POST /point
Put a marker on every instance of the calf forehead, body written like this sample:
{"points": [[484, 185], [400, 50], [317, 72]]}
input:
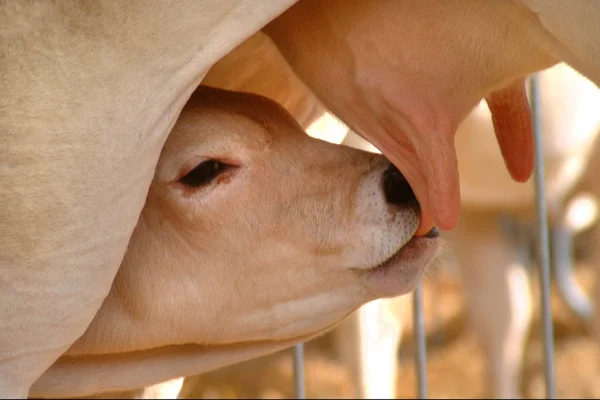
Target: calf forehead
{"points": [[216, 119], [252, 106], [208, 126]]}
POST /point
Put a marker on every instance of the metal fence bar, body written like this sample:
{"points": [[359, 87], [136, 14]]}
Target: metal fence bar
{"points": [[299, 371], [542, 242], [420, 342]]}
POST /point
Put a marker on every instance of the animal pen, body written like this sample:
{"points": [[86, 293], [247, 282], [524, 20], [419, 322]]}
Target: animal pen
{"points": [[561, 267]]}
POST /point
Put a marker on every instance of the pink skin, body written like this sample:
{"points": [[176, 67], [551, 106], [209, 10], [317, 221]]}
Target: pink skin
{"points": [[408, 95]]}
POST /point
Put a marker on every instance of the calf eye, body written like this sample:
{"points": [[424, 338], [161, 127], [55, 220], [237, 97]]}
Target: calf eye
{"points": [[204, 173]]}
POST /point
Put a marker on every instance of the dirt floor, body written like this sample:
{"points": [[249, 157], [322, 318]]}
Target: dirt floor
{"points": [[455, 363]]}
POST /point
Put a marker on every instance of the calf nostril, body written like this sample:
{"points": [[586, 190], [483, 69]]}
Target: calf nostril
{"points": [[396, 188]]}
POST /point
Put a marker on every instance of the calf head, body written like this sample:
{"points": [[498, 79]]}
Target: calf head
{"points": [[253, 231]]}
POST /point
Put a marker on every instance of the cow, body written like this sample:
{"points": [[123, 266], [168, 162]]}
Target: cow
{"points": [[90, 92]]}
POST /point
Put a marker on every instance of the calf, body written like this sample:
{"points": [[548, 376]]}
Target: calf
{"points": [[253, 237]]}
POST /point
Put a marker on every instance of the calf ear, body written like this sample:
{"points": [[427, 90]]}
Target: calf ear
{"points": [[511, 116]]}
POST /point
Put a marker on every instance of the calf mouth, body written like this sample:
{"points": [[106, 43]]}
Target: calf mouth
{"points": [[431, 238], [403, 270]]}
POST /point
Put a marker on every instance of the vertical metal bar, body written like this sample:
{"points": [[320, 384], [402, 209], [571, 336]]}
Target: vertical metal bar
{"points": [[542, 242], [420, 341], [299, 371]]}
